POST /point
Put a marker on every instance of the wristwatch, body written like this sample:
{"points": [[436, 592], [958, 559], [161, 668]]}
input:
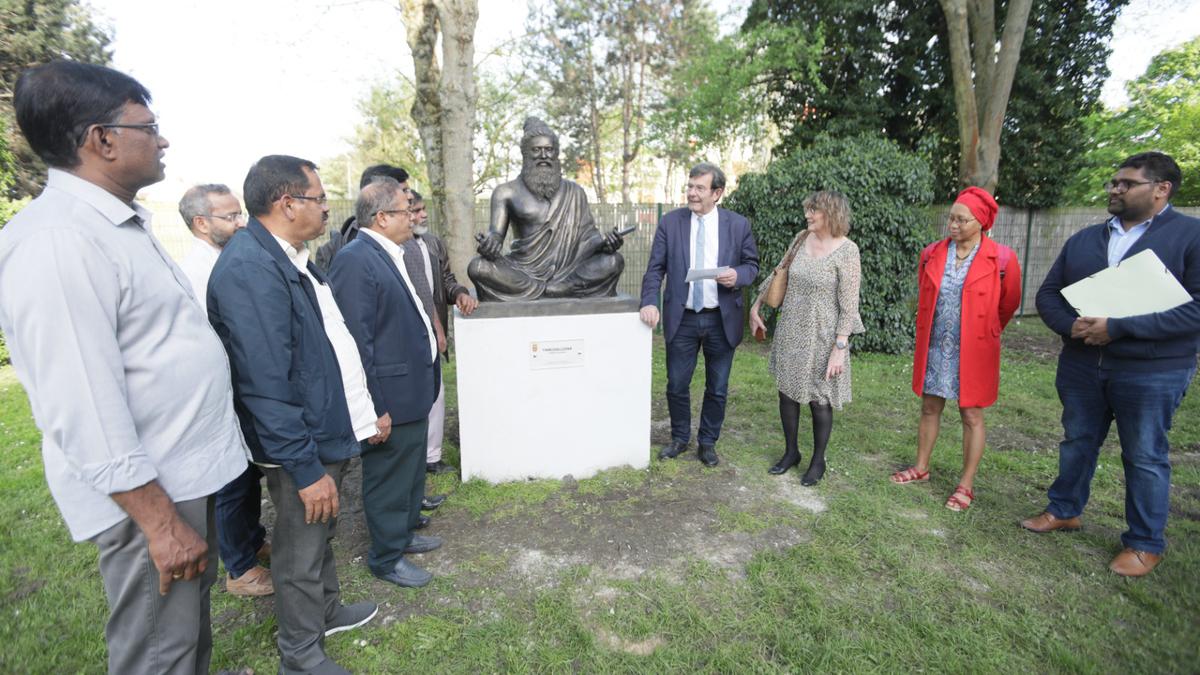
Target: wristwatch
{"points": [[841, 344]]}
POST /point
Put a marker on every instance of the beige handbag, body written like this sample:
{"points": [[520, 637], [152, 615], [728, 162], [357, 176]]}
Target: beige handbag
{"points": [[778, 288]]}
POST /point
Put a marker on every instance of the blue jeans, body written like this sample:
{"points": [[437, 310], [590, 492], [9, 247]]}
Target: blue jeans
{"points": [[698, 331], [1142, 403], [239, 532]]}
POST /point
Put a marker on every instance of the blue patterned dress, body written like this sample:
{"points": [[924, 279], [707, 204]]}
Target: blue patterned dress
{"points": [[945, 339]]}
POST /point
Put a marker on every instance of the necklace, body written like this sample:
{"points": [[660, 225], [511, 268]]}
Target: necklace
{"points": [[963, 257]]}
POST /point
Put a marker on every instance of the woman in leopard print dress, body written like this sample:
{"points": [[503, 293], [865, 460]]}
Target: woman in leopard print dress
{"points": [[810, 354]]}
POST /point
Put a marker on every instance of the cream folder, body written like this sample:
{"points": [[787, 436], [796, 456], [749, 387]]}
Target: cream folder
{"points": [[1140, 284]]}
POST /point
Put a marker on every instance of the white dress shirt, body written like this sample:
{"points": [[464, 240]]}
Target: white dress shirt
{"points": [[711, 242], [354, 380], [197, 264], [397, 256], [128, 381]]}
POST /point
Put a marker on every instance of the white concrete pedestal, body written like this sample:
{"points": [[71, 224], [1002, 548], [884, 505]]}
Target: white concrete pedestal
{"points": [[548, 396]]}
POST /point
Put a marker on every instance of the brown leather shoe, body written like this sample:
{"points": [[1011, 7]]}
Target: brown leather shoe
{"points": [[264, 553], [1131, 563], [254, 583], [1048, 522]]}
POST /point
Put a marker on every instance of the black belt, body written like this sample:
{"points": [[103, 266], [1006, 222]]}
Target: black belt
{"points": [[706, 310]]}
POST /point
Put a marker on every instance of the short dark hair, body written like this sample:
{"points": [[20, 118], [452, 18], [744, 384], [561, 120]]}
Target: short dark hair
{"points": [[706, 169], [1157, 166], [373, 172], [195, 201], [56, 102], [414, 197], [272, 177]]}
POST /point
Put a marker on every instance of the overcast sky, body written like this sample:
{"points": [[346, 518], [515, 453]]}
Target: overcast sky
{"points": [[234, 80]]}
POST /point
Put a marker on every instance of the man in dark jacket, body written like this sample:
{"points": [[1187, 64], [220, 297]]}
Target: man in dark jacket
{"points": [[397, 343], [300, 394], [1134, 369], [705, 314]]}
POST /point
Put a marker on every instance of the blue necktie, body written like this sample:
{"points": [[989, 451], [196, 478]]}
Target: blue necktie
{"points": [[698, 263]]}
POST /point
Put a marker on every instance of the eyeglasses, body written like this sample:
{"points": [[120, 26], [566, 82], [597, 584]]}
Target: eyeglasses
{"points": [[958, 220], [1123, 185], [149, 127], [392, 212], [322, 200], [232, 217]]}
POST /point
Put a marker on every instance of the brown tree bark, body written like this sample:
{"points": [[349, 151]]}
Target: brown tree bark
{"points": [[444, 111], [458, 96], [983, 77]]}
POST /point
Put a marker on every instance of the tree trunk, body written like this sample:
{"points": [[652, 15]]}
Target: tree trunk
{"points": [[982, 84], [444, 111], [421, 25], [458, 95]]}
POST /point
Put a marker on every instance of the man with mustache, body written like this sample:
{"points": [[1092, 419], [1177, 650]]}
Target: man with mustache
{"points": [[301, 394], [213, 215], [431, 260], [1134, 370], [557, 252]]}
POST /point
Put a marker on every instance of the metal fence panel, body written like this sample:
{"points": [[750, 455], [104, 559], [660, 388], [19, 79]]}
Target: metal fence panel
{"points": [[1036, 236]]}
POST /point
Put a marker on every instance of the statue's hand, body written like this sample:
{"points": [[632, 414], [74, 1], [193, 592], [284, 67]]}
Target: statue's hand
{"points": [[490, 245], [612, 241]]}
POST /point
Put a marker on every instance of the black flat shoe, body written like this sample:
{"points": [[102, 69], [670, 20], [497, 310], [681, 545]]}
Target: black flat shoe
{"points": [[781, 467], [814, 474], [708, 455], [672, 450]]}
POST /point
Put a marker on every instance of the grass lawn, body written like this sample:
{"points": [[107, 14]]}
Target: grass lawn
{"points": [[681, 568]]}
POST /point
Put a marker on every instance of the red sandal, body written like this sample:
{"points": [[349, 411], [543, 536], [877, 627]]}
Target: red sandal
{"points": [[910, 475], [956, 502]]}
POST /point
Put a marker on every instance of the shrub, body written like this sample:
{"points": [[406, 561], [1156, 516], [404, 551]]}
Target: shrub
{"points": [[886, 187]]}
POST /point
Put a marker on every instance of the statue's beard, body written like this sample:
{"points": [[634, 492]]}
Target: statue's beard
{"points": [[542, 181]]}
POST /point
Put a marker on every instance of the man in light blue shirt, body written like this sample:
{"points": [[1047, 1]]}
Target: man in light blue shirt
{"points": [[128, 383]]}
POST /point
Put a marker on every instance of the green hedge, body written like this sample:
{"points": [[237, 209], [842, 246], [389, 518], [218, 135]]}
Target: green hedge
{"points": [[887, 188]]}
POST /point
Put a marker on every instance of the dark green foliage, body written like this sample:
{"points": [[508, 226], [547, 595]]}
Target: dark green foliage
{"points": [[886, 67], [886, 186], [38, 31]]}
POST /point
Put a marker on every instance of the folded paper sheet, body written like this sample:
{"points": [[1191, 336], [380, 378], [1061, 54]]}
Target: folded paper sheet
{"points": [[1140, 284], [699, 274]]}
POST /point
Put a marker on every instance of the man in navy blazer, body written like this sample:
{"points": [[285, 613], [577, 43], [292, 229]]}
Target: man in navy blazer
{"points": [[398, 346], [300, 394], [704, 314]]}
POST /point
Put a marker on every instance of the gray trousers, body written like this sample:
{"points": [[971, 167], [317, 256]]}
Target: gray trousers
{"points": [[302, 567], [148, 632]]}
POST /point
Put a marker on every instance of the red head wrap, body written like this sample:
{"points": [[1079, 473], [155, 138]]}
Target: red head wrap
{"points": [[981, 204]]}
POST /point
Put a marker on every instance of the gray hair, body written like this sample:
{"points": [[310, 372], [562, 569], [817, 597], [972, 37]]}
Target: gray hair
{"points": [[195, 201], [376, 196], [707, 169]]}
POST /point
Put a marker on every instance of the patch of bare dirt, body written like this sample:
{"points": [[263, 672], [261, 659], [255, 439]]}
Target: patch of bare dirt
{"points": [[1040, 345]]}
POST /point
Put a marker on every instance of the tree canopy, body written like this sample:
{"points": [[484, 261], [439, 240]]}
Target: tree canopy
{"points": [[39, 31], [885, 67], [1163, 114]]}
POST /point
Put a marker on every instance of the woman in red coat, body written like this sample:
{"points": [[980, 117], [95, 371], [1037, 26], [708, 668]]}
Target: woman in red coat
{"points": [[969, 287]]}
